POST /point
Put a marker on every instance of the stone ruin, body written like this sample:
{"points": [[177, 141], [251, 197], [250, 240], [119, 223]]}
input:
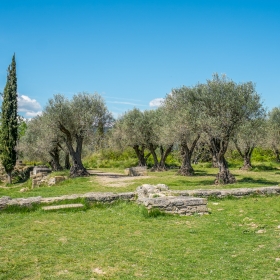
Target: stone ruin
{"points": [[161, 198], [136, 171], [21, 172], [39, 176]]}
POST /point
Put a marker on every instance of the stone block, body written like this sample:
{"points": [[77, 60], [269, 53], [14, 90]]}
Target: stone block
{"points": [[55, 180], [136, 171], [160, 197], [39, 169]]}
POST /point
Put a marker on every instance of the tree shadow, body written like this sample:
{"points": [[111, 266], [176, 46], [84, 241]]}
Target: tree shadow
{"points": [[192, 183], [203, 173], [257, 181]]}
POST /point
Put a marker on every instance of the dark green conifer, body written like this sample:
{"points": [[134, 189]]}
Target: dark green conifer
{"points": [[9, 121]]}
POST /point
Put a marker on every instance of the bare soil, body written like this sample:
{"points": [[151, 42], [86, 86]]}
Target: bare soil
{"points": [[110, 179]]}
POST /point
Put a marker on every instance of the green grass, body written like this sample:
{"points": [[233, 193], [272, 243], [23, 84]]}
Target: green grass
{"points": [[261, 175], [238, 240]]}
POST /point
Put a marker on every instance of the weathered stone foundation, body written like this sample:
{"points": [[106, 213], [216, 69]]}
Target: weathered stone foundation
{"points": [[171, 201], [160, 197]]}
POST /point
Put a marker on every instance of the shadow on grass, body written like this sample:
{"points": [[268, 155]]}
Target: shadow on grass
{"points": [[257, 181], [192, 183], [257, 168], [203, 173]]}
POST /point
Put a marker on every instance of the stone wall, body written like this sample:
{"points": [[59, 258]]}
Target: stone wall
{"points": [[40, 176], [93, 197], [230, 192], [20, 173], [151, 196]]}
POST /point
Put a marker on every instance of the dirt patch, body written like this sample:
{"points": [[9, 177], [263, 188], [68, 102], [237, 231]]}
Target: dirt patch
{"points": [[115, 179]]}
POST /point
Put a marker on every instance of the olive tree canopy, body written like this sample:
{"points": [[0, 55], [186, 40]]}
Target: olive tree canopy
{"points": [[225, 106], [40, 143], [273, 131], [182, 128], [130, 130], [77, 121], [249, 135]]}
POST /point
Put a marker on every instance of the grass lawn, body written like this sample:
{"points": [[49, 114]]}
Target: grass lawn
{"points": [[204, 179], [240, 239]]}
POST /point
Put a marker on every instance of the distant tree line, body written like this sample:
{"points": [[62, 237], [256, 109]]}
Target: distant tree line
{"points": [[206, 116], [200, 122]]}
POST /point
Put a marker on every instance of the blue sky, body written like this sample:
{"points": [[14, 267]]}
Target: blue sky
{"points": [[133, 52]]}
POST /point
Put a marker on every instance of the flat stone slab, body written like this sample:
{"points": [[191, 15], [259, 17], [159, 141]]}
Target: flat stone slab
{"points": [[38, 169], [182, 205], [64, 206], [160, 197], [238, 192]]}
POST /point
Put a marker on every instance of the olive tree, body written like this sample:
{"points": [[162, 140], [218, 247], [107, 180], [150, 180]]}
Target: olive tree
{"points": [[273, 132], [183, 126], [249, 135], [224, 107], [159, 146], [40, 143], [130, 131], [142, 131], [77, 121]]}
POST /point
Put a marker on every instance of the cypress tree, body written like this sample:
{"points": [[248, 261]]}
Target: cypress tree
{"points": [[9, 121]]}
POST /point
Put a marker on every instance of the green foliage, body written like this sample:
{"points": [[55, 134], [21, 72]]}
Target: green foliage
{"points": [[152, 213], [9, 121], [21, 175], [108, 158], [262, 155]]}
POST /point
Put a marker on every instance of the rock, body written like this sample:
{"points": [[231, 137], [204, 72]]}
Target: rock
{"points": [[55, 180], [7, 201], [4, 200], [41, 169], [24, 190], [160, 197], [147, 190], [64, 206], [136, 171]]}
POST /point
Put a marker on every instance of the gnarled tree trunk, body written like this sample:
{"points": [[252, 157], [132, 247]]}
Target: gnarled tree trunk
{"points": [[54, 163], [152, 149], [140, 154], [159, 165], [77, 168], [214, 158], [246, 156], [163, 156], [67, 164], [219, 148], [186, 152]]}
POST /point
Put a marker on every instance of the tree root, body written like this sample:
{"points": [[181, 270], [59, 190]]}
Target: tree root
{"points": [[186, 171], [158, 169], [78, 173], [246, 167], [225, 177]]}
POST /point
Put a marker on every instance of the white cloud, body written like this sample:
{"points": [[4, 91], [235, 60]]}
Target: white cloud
{"points": [[31, 107], [33, 114], [156, 102]]}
